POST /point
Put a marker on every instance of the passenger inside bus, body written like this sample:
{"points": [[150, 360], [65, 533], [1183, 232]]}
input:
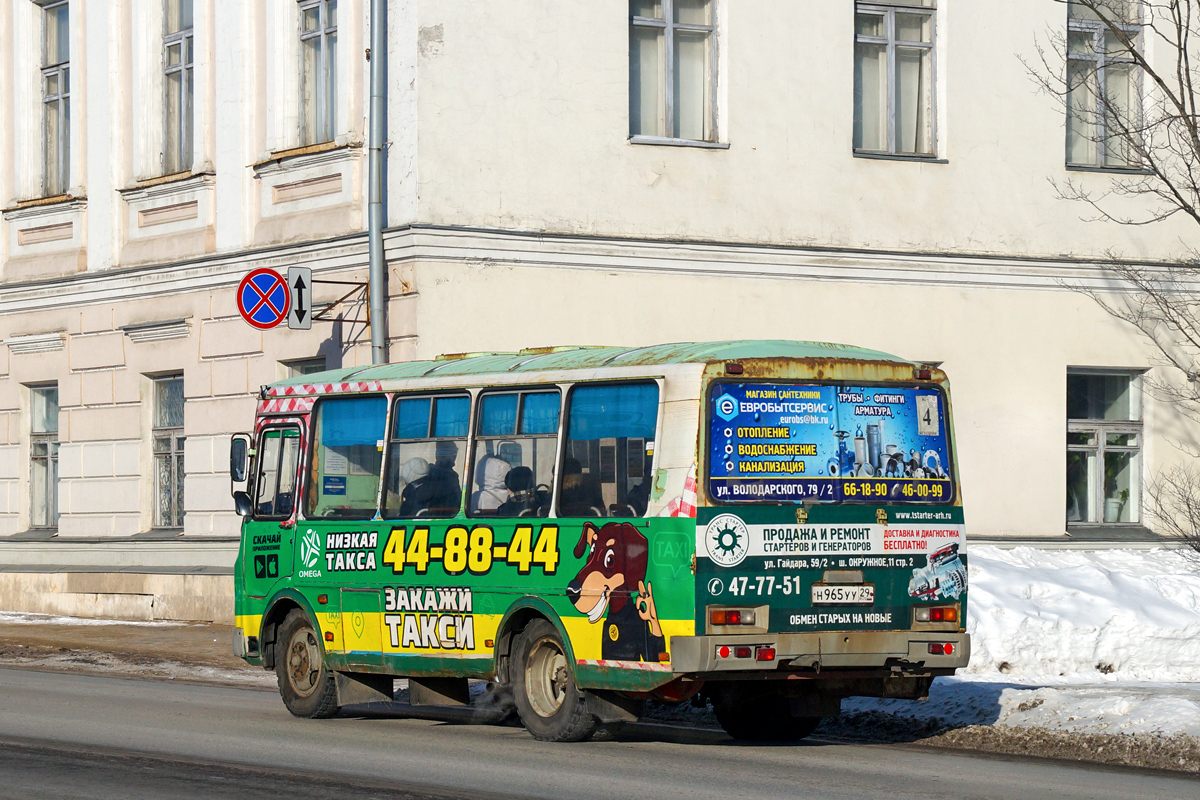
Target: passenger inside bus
{"points": [[525, 497], [489, 477], [429, 490]]}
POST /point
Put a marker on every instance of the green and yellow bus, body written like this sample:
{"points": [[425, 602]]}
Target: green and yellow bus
{"points": [[766, 526]]}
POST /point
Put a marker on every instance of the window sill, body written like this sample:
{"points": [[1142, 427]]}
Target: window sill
{"points": [[669, 142], [275, 156], [900, 157], [1109, 531], [174, 177], [58, 199], [1108, 170]]}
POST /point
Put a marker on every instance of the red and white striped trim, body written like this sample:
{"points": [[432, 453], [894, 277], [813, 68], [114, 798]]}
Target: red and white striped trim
{"points": [[646, 666], [286, 405], [685, 504], [309, 389]]}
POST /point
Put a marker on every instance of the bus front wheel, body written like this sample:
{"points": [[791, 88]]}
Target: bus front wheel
{"points": [[305, 683], [549, 703], [762, 718]]}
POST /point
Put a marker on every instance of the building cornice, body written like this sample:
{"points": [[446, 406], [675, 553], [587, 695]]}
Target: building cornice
{"points": [[482, 247]]}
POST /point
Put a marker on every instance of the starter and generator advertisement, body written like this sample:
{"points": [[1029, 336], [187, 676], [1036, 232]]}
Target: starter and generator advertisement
{"points": [[788, 443]]}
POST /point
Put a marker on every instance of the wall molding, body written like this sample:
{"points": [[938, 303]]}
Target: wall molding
{"points": [[36, 342], [157, 331], [532, 249]]}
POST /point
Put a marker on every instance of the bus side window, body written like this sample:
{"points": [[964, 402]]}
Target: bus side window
{"points": [[347, 442], [609, 450], [515, 442], [275, 484], [427, 457]]}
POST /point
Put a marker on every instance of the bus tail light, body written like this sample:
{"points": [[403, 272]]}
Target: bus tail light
{"points": [[940, 649], [764, 654], [731, 616], [937, 614], [923, 373], [743, 652]]}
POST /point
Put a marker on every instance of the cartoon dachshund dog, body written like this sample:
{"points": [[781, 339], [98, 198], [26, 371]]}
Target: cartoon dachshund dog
{"points": [[616, 564]]}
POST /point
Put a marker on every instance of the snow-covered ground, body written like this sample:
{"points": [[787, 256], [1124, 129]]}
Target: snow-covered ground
{"points": [[1094, 642]]}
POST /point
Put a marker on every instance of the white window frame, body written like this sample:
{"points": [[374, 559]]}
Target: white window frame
{"points": [[172, 453], [61, 157], [1098, 77], [48, 439], [304, 366], [1099, 430], [668, 26], [185, 40], [888, 11], [325, 93]]}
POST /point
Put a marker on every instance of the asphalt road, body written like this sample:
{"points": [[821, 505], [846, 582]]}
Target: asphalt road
{"points": [[84, 737]]}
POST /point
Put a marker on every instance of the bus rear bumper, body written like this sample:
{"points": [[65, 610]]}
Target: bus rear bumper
{"points": [[910, 651]]}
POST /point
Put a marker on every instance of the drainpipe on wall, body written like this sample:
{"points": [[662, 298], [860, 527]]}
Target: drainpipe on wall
{"points": [[376, 190]]}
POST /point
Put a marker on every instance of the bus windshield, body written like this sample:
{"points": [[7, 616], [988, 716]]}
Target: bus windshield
{"points": [[803, 443]]}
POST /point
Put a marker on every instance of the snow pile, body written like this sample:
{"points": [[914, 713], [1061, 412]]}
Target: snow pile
{"points": [[1096, 642], [30, 618], [1042, 614]]}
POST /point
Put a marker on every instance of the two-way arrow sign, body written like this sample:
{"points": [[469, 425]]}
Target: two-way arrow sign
{"points": [[299, 281]]}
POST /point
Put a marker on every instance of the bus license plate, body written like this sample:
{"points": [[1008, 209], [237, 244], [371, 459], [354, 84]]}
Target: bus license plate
{"points": [[842, 595]]}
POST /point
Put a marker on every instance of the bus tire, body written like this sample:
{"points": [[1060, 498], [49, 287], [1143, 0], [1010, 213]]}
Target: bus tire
{"points": [[765, 718], [305, 683], [550, 705]]}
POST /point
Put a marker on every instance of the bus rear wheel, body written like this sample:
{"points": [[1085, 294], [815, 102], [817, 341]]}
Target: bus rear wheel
{"points": [[549, 703], [305, 683], [762, 718]]}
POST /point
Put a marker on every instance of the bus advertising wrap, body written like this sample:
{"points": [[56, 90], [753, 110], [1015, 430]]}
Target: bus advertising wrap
{"points": [[828, 444]]}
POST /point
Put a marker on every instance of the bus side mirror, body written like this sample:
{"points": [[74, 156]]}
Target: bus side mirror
{"points": [[241, 503], [239, 461]]}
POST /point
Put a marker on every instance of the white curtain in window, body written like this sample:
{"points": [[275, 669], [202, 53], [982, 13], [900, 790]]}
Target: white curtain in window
{"points": [[692, 111], [913, 71], [870, 99], [646, 117], [1081, 116]]}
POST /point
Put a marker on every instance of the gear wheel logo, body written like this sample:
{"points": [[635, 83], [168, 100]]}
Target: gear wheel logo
{"points": [[727, 540], [310, 548]]}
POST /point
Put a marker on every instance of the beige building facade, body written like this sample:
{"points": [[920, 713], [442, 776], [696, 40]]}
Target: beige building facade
{"points": [[573, 173]]}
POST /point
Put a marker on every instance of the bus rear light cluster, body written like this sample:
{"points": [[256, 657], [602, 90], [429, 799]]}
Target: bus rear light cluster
{"points": [[760, 653], [741, 651], [940, 649], [937, 614], [731, 616]]}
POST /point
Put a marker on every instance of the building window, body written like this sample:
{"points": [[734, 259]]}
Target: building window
{"points": [[178, 85], [43, 457], [1104, 444], [56, 98], [168, 438], [893, 78], [1103, 106], [672, 69], [318, 71], [305, 366]]}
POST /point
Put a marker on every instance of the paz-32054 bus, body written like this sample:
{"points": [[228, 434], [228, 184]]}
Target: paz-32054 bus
{"points": [[768, 526]]}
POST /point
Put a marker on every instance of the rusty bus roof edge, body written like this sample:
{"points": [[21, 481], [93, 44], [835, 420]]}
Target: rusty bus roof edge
{"points": [[507, 366]]}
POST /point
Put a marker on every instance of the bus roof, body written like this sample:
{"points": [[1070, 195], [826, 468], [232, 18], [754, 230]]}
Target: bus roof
{"points": [[540, 359]]}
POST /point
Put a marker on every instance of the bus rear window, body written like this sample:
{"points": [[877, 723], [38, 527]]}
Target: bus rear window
{"points": [[789, 443]]}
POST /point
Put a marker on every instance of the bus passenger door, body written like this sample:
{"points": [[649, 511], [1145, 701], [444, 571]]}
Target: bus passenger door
{"points": [[361, 627], [269, 532]]}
